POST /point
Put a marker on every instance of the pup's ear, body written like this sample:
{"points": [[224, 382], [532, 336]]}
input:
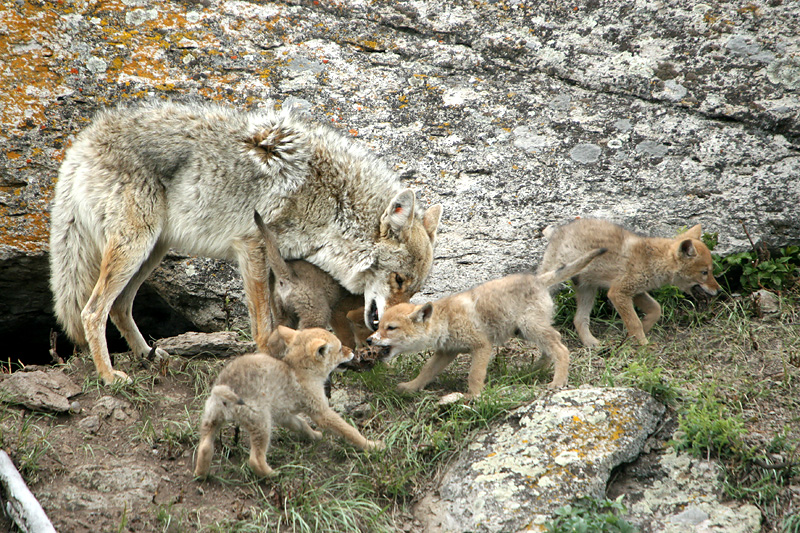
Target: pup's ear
{"points": [[430, 220], [399, 213], [423, 314], [356, 315], [279, 341], [687, 248], [695, 232], [320, 348]]}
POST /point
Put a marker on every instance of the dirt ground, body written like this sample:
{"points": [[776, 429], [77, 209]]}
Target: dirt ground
{"points": [[124, 461]]}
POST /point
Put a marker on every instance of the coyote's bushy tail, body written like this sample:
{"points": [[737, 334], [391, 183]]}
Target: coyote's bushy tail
{"points": [[75, 254], [568, 270]]}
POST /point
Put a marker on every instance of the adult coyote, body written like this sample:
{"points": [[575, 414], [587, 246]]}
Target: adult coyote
{"points": [[141, 180]]}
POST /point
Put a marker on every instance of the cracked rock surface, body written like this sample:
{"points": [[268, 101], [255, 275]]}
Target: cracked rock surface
{"points": [[513, 115]]}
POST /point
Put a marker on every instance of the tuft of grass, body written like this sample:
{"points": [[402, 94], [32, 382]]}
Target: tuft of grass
{"points": [[651, 379], [28, 443], [708, 428], [593, 515], [791, 523]]}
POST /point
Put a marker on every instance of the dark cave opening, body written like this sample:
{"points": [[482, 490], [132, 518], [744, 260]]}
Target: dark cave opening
{"points": [[27, 320]]}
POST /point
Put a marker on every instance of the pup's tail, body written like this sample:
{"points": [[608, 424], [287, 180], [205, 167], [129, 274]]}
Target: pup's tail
{"points": [[276, 262], [226, 394], [568, 270], [75, 255]]}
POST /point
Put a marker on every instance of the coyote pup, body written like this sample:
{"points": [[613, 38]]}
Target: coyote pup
{"points": [[305, 296], [141, 180], [632, 266], [475, 320], [257, 390]]}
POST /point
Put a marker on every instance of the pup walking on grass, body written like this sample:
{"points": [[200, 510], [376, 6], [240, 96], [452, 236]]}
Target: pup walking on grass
{"points": [[475, 320], [632, 266], [259, 390]]}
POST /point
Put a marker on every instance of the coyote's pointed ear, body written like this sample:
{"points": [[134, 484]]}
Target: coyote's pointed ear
{"points": [[423, 314], [320, 348], [279, 341], [687, 248], [430, 220], [399, 213], [695, 232]]}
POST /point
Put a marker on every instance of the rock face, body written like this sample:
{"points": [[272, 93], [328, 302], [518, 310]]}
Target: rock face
{"points": [[546, 453], [514, 115], [670, 492]]}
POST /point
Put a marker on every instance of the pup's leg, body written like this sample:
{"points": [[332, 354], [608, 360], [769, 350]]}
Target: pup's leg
{"points": [[650, 308], [253, 266], [477, 370], [121, 312], [429, 371], [548, 340], [331, 420], [584, 300], [624, 305], [298, 425], [259, 430], [212, 418], [123, 256], [343, 327]]}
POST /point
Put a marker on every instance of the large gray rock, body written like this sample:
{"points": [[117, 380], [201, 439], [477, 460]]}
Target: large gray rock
{"points": [[546, 454], [514, 115], [672, 492]]}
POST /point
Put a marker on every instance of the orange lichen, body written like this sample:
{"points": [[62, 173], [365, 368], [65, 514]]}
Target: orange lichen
{"points": [[27, 233], [31, 69]]}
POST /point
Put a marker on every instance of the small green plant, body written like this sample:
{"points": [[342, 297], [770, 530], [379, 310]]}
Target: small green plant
{"points": [[651, 379], [707, 427], [750, 271], [591, 515]]}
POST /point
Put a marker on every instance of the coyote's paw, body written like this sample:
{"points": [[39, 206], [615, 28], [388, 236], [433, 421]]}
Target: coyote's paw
{"points": [[375, 445], [117, 376], [406, 387]]}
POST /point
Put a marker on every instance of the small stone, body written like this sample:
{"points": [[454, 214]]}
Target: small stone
{"points": [[585, 153], [766, 302], [90, 424], [451, 398], [691, 517]]}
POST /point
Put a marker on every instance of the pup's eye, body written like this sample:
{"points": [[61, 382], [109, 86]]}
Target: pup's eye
{"points": [[399, 280], [704, 273], [391, 328]]}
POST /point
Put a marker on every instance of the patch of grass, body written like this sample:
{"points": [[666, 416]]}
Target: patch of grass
{"points": [[651, 379], [26, 440], [138, 392], [791, 523], [589, 514], [706, 427]]}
